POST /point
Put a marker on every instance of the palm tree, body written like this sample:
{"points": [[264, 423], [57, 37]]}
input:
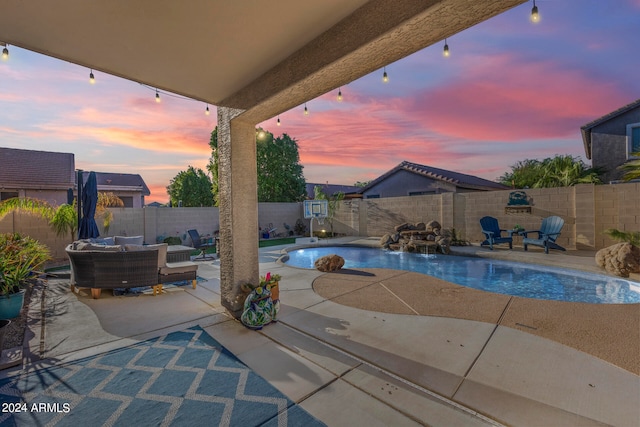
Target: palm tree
{"points": [[632, 168]]}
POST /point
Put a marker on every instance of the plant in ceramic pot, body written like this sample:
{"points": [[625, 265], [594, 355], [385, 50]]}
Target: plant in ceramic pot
{"points": [[20, 258]]}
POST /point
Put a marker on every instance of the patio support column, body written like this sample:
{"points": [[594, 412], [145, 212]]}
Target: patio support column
{"points": [[238, 204]]}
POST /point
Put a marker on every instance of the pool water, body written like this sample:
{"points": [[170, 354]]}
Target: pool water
{"points": [[504, 277]]}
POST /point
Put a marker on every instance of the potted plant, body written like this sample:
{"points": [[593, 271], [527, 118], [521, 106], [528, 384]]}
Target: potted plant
{"points": [[20, 258]]}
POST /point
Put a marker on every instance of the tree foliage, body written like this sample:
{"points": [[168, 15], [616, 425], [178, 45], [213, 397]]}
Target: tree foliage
{"points": [[631, 168], [191, 188], [280, 177], [558, 171]]}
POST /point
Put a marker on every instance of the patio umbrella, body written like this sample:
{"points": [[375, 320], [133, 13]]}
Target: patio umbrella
{"points": [[88, 228]]}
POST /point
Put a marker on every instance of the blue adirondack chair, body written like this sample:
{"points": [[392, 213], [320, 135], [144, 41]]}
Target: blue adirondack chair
{"points": [[547, 235], [493, 233]]}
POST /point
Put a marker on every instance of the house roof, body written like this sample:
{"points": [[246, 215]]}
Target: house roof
{"points": [[31, 169], [458, 179], [586, 129], [331, 189], [119, 182]]}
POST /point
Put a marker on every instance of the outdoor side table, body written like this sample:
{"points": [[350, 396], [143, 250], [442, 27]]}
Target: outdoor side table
{"points": [[179, 253]]}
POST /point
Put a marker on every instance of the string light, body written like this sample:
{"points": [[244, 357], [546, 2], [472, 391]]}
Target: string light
{"points": [[445, 51], [278, 122], [535, 16], [5, 52], [385, 76], [92, 79], [207, 110], [340, 95], [157, 96], [306, 112]]}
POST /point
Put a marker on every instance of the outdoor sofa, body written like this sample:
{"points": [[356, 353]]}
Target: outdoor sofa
{"points": [[98, 266]]}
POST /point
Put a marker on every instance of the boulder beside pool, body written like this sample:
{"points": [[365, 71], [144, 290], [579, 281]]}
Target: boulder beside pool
{"points": [[619, 259], [329, 263]]}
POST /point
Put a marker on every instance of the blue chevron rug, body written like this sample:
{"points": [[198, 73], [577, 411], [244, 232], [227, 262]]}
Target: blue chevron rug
{"points": [[181, 379]]}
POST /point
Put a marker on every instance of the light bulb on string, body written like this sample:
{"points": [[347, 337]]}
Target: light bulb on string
{"points": [[535, 16], [207, 110], [92, 79], [385, 76], [278, 122], [157, 96], [306, 111], [5, 52], [445, 51], [340, 95]]}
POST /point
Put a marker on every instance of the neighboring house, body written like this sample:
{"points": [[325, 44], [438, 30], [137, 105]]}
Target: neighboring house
{"points": [[48, 176], [610, 140], [39, 175], [412, 179], [130, 188], [349, 191]]}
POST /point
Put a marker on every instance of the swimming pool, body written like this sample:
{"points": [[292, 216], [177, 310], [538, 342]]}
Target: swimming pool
{"points": [[504, 277]]}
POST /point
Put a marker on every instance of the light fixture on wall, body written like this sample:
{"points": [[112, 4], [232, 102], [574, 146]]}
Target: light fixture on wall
{"points": [[92, 79], [306, 111], [206, 111], [5, 51], [157, 96], [445, 51], [385, 76], [535, 16], [278, 122], [340, 95]]}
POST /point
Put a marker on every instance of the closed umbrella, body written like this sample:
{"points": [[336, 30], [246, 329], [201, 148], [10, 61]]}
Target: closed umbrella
{"points": [[88, 228]]}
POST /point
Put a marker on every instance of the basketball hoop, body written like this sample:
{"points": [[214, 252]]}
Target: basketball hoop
{"points": [[315, 209]]}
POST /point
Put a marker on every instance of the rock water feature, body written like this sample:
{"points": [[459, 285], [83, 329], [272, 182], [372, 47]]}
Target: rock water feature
{"points": [[420, 237]]}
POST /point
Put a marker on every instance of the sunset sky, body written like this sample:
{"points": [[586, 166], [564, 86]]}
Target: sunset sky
{"points": [[510, 90]]}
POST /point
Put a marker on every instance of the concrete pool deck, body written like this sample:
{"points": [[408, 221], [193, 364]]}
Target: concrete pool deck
{"points": [[352, 364]]}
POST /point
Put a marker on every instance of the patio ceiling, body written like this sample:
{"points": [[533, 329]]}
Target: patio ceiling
{"points": [[264, 56]]}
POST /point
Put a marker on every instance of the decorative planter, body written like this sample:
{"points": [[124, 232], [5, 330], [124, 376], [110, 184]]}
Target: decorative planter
{"points": [[11, 305], [4, 325]]}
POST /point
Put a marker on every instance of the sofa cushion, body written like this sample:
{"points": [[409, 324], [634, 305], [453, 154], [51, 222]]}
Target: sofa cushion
{"points": [[162, 253], [129, 240], [160, 247], [103, 241], [178, 267], [86, 246]]}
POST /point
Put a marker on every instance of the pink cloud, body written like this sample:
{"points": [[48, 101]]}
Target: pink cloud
{"points": [[508, 99]]}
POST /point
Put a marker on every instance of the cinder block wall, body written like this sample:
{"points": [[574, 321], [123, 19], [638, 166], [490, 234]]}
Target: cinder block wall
{"points": [[588, 210]]}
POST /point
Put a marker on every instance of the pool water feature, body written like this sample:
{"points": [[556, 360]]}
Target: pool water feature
{"points": [[504, 277]]}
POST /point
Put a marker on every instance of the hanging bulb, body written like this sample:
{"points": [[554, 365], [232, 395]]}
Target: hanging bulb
{"points": [[535, 16], [5, 53], [445, 52], [340, 95], [157, 96], [278, 122], [207, 110], [306, 112], [385, 77], [92, 79]]}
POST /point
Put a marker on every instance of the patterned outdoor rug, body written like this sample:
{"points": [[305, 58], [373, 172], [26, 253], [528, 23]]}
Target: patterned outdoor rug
{"points": [[148, 290], [183, 379]]}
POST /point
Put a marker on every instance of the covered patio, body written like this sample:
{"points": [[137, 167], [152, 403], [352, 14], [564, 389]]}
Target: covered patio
{"points": [[251, 60]]}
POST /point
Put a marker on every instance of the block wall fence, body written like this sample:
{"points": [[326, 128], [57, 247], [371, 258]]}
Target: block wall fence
{"points": [[587, 209]]}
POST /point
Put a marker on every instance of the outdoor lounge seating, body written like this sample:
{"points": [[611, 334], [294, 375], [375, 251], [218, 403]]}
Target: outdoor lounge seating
{"points": [[98, 266], [493, 233], [547, 235], [201, 245]]}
